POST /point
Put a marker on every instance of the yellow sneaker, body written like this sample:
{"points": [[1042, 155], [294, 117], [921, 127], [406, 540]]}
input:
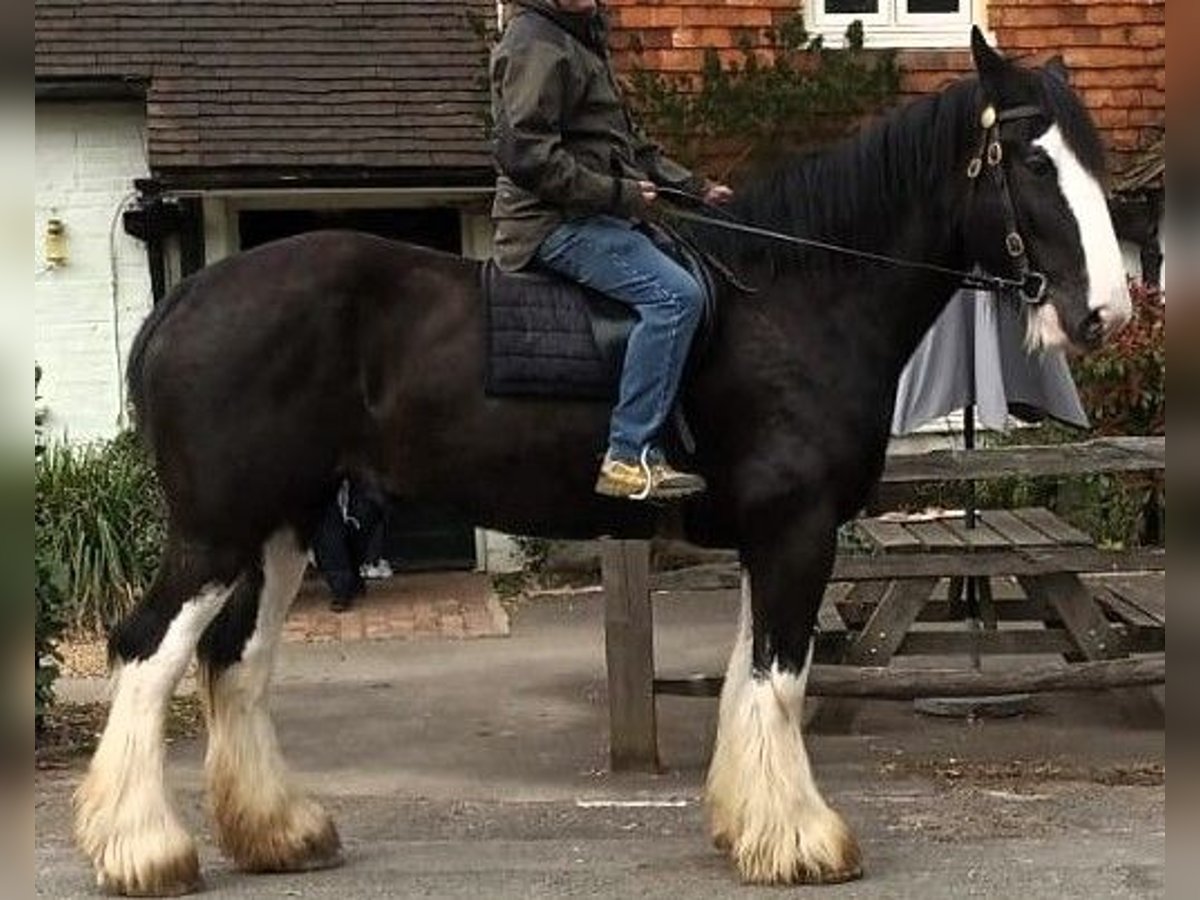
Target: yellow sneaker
{"points": [[647, 479]]}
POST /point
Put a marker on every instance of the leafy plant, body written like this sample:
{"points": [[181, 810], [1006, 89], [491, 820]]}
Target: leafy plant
{"points": [[785, 92], [99, 518], [1123, 385], [49, 595], [49, 589]]}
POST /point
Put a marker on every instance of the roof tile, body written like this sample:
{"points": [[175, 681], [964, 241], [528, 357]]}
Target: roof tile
{"points": [[286, 83]]}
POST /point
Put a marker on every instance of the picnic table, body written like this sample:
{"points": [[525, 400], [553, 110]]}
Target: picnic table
{"points": [[1103, 611]]}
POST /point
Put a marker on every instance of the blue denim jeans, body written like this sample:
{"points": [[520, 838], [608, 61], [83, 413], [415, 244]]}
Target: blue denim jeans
{"points": [[611, 256]]}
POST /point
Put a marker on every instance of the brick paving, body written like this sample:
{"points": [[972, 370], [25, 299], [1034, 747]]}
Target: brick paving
{"points": [[424, 605]]}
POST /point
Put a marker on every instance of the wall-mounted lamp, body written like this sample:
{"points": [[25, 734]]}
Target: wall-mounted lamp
{"points": [[56, 243]]}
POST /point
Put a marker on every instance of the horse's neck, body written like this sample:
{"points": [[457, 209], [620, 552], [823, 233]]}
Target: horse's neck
{"points": [[902, 304], [922, 221], [899, 190]]}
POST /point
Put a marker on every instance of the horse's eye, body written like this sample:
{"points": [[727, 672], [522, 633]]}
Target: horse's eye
{"points": [[1039, 163]]}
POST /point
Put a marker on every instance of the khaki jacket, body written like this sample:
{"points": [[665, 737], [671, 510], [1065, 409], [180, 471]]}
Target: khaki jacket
{"points": [[563, 142]]}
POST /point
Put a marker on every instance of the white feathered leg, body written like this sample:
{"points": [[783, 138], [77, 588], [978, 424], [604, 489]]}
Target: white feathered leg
{"points": [[264, 822], [124, 820], [765, 809]]}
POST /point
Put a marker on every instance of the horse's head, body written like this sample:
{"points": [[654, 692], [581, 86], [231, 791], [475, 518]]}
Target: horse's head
{"points": [[1037, 202]]}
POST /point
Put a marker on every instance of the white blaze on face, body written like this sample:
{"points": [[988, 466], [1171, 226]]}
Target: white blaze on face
{"points": [[1108, 293]]}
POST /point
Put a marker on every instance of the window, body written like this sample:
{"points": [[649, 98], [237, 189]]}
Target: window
{"points": [[898, 23]]}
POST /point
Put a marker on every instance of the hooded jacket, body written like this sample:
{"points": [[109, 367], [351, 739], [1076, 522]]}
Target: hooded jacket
{"points": [[563, 142]]}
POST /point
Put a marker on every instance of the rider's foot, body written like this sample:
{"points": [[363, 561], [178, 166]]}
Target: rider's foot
{"points": [[650, 478]]}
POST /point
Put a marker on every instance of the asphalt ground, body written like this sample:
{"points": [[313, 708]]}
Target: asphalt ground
{"points": [[477, 769]]}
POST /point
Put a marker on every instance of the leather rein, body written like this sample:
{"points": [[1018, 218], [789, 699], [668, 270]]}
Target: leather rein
{"points": [[1029, 285]]}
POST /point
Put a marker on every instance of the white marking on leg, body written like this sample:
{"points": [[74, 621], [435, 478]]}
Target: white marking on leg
{"points": [[124, 818], [765, 808], [1108, 293], [263, 821], [721, 791]]}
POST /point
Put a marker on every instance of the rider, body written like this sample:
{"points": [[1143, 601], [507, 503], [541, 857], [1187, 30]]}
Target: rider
{"points": [[575, 175]]}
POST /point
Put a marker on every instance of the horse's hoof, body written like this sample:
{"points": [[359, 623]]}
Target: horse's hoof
{"points": [[153, 857], [167, 878], [824, 853], [299, 838]]}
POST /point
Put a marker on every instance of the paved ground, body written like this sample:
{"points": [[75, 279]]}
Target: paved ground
{"points": [[477, 769], [450, 605]]}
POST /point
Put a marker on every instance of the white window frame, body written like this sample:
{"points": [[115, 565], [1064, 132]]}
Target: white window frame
{"points": [[894, 26]]}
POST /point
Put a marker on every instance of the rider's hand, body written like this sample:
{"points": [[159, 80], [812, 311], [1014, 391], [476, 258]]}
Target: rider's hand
{"points": [[648, 190], [718, 194]]}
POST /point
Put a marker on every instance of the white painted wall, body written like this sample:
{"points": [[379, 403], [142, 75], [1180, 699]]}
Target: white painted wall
{"points": [[87, 311]]}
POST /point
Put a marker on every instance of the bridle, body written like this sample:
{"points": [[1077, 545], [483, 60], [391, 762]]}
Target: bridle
{"points": [[988, 157], [1029, 286]]}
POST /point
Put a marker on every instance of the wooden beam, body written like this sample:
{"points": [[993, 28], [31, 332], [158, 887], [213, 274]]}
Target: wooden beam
{"points": [[908, 684], [1009, 642], [629, 655], [1032, 561], [1089, 628], [1115, 454], [890, 621]]}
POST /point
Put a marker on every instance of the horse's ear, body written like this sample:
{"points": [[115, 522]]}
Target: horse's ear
{"points": [[1057, 66], [988, 63]]}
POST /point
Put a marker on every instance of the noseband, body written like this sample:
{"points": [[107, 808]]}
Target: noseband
{"points": [[1032, 289]]}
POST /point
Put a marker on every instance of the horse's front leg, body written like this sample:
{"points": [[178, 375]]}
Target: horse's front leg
{"points": [[765, 809]]}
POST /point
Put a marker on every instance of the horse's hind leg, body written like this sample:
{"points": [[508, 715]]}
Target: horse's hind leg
{"points": [[123, 817], [764, 806], [264, 822]]}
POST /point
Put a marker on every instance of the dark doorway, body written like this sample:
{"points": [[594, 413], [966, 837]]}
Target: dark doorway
{"points": [[436, 227], [414, 538]]}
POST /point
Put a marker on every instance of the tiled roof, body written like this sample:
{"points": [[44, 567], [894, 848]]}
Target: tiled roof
{"points": [[286, 84]]}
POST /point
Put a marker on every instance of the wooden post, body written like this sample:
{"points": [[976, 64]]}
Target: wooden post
{"points": [[1096, 639], [629, 652]]}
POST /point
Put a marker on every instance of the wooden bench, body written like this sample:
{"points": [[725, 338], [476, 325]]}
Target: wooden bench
{"points": [[1048, 574]]}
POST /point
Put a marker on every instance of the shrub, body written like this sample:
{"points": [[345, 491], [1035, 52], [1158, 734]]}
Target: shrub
{"points": [[99, 519], [1123, 385], [49, 595]]}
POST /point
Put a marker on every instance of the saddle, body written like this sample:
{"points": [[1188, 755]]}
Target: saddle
{"points": [[548, 336]]}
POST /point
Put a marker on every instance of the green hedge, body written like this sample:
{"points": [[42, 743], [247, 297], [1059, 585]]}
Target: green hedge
{"points": [[99, 525]]}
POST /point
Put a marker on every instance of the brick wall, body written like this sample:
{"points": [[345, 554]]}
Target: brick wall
{"points": [[672, 35], [87, 156], [1116, 49]]}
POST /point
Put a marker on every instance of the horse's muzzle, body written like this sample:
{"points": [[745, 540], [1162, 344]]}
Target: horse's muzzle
{"points": [[1092, 330]]}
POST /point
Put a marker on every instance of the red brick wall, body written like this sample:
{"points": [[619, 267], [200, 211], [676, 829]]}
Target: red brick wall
{"points": [[673, 34], [1116, 49]]}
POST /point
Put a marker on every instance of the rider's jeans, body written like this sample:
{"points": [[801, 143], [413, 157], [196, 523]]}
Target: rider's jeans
{"points": [[611, 256]]}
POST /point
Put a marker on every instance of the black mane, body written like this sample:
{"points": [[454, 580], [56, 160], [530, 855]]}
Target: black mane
{"points": [[853, 192]]}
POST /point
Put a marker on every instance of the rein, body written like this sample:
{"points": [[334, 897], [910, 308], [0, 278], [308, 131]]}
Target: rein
{"points": [[1030, 286]]}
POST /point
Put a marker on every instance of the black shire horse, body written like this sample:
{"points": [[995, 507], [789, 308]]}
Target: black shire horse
{"points": [[263, 378]]}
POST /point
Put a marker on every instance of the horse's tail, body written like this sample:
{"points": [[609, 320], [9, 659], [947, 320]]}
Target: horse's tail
{"points": [[135, 371]]}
